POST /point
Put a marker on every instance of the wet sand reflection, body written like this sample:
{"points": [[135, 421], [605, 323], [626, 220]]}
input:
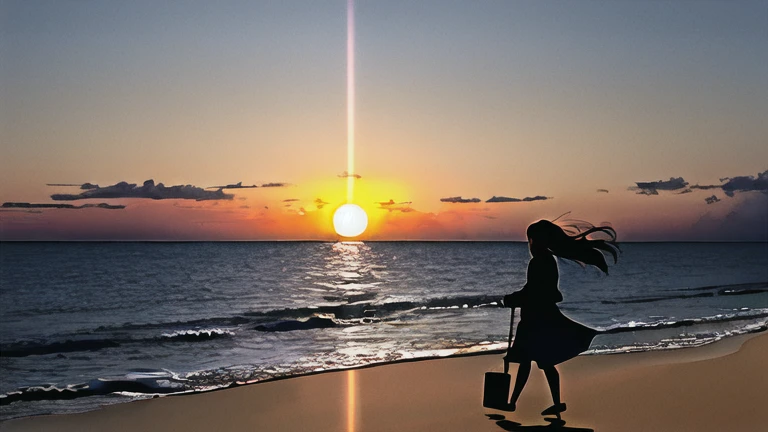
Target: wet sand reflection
{"points": [[351, 400]]}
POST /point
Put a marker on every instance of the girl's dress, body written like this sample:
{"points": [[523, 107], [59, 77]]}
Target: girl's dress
{"points": [[544, 334]]}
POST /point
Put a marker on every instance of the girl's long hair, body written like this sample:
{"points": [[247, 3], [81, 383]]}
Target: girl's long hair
{"points": [[570, 241]]}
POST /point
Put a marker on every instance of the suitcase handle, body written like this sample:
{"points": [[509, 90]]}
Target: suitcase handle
{"points": [[509, 340]]}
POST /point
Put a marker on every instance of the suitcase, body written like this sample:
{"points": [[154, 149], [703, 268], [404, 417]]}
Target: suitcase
{"points": [[496, 390], [496, 384]]}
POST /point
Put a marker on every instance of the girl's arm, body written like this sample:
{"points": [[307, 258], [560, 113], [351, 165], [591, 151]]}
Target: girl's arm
{"points": [[540, 286], [516, 299]]}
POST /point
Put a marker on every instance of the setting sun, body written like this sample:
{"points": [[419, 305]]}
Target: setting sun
{"points": [[350, 220]]}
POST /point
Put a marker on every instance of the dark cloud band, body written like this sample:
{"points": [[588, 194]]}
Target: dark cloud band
{"points": [[460, 200], [238, 185], [730, 187], [653, 188], [148, 190], [23, 205], [503, 199]]}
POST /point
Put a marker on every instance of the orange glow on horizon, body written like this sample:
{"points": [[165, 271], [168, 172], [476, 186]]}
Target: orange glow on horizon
{"points": [[368, 195]]}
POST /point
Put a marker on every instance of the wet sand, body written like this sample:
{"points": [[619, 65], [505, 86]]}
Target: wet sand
{"points": [[721, 386]]}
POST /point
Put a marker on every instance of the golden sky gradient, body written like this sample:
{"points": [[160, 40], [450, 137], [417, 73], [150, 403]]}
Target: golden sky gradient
{"points": [[515, 99]]}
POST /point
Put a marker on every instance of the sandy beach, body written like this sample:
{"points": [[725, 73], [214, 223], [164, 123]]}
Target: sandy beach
{"points": [[721, 386]]}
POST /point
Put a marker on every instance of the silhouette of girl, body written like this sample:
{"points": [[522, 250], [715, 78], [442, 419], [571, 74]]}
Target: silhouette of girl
{"points": [[544, 334]]}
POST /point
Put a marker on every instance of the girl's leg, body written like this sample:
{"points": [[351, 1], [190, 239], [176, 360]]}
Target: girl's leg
{"points": [[522, 377], [553, 378]]}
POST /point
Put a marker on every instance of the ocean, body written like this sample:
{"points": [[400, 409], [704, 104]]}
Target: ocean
{"points": [[89, 324]]}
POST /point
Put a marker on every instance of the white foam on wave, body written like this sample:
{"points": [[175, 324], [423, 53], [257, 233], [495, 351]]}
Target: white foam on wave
{"points": [[207, 332]]}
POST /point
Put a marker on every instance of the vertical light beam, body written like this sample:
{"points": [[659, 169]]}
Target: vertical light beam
{"points": [[350, 99]]}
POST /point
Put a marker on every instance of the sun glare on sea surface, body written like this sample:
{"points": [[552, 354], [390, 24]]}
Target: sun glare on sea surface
{"points": [[350, 220]]}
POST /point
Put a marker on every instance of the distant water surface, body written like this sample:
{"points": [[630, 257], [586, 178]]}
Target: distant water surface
{"points": [[89, 324]]}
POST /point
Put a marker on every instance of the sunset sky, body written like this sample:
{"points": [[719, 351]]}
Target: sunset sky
{"points": [[546, 100]]}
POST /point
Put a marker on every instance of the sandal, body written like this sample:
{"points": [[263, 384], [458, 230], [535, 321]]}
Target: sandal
{"points": [[554, 409]]}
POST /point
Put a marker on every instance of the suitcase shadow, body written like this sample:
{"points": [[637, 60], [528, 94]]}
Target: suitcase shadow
{"points": [[555, 425]]}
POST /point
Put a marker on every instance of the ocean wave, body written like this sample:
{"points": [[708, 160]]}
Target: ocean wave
{"points": [[684, 340], [30, 348], [355, 306], [711, 291], [308, 324], [97, 387], [152, 383], [634, 326], [738, 286], [316, 322], [228, 321], [364, 310], [196, 335]]}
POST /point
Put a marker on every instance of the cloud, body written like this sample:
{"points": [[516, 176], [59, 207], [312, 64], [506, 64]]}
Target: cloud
{"points": [[177, 205], [84, 186], [502, 199], [460, 200], [148, 190], [603, 190], [711, 200], [705, 187], [290, 200], [391, 202], [402, 209], [345, 175], [731, 186], [652, 188], [392, 206], [23, 205], [746, 183], [320, 203], [645, 191], [238, 185]]}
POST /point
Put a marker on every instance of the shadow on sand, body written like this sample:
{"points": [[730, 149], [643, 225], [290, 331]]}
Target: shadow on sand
{"points": [[554, 425]]}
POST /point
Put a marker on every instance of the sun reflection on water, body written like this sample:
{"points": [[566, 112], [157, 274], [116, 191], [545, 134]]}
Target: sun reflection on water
{"points": [[349, 265], [351, 400]]}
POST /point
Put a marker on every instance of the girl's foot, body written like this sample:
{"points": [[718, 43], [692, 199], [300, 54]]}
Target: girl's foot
{"points": [[555, 422], [510, 407], [554, 409]]}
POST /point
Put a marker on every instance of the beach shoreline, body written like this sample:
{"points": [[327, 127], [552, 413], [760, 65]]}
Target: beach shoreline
{"points": [[717, 386]]}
